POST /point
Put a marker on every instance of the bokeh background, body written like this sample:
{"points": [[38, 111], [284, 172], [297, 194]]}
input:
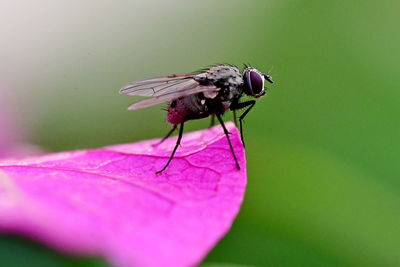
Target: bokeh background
{"points": [[322, 147]]}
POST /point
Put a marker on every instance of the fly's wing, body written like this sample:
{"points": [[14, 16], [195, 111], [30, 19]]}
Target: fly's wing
{"points": [[166, 88], [186, 91], [156, 86]]}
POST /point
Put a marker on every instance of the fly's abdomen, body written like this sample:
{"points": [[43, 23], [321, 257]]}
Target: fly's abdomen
{"points": [[179, 109]]}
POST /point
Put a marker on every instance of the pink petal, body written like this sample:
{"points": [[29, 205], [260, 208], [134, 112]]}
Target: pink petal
{"points": [[110, 202]]}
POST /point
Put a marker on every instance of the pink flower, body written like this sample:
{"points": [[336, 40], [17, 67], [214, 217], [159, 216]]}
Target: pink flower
{"points": [[110, 202]]}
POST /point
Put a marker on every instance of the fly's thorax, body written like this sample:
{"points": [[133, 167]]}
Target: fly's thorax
{"points": [[224, 76], [230, 94], [227, 78]]}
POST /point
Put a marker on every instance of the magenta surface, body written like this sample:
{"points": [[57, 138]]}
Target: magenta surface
{"points": [[110, 202]]}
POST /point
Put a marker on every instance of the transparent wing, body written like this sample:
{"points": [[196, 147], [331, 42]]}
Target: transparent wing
{"points": [[186, 91], [158, 86]]}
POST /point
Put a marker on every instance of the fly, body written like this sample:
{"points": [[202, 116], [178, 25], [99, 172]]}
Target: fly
{"points": [[198, 95]]}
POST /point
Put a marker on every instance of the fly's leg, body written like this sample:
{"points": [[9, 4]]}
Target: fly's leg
{"points": [[178, 142], [250, 104], [166, 137], [229, 140], [212, 122]]}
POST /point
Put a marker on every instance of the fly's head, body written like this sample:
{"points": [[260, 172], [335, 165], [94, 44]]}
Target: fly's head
{"points": [[254, 82]]}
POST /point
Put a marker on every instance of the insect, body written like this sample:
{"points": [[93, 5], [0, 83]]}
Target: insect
{"points": [[209, 92]]}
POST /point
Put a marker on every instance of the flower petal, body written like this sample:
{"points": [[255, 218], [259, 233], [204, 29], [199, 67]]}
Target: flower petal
{"points": [[110, 202]]}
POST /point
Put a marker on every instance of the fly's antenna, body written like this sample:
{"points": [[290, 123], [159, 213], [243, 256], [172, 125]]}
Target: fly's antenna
{"points": [[267, 75], [268, 78]]}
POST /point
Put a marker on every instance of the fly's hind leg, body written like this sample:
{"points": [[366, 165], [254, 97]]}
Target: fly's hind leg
{"points": [[166, 137], [178, 142]]}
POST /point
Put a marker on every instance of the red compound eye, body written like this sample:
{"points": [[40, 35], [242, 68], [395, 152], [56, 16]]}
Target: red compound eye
{"points": [[254, 82]]}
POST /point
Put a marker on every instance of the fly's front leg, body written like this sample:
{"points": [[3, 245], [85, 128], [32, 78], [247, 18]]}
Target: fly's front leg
{"points": [[229, 140], [236, 106]]}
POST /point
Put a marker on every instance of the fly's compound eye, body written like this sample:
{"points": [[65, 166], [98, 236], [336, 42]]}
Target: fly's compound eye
{"points": [[255, 82]]}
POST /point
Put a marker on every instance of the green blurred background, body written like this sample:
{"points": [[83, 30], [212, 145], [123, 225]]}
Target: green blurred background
{"points": [[322, 147]]}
